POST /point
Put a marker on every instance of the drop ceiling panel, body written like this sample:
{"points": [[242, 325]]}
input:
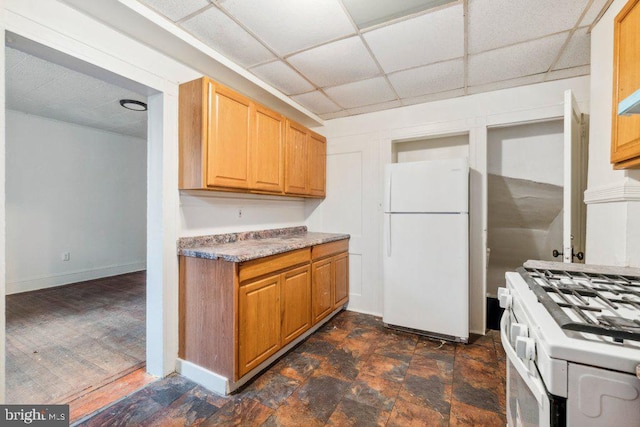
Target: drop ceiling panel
{"points": [[428, 38], [366, 13], [504, 84], [375, 107], [217, 30], [336, 63], [519, 60], [497, 23], [282, 77], [432, 78], [176, 10], [361, 93], [316, 101], [567, 73], [433, 97], [593, 12], [288, 26], [577, 52]]}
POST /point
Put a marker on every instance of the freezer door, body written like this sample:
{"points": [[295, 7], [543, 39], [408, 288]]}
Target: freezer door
{"points": [[426, 273], [430, 186]]}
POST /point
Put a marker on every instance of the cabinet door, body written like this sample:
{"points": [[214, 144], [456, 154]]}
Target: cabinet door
{"points": [[340, 279], [625, 138], [267, 157], [296, 177], [258, 322], [321, 298], [295, 303], [317, 164], [228, 140]]}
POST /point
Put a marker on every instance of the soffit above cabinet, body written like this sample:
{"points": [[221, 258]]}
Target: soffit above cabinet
{"points": [[315, 52]]}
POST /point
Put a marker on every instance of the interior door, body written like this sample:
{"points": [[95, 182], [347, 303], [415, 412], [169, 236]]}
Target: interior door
{"points": [[575, 156]]}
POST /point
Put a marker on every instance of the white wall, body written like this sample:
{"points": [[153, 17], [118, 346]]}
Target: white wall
{"points": [[361, 145], [449, 147], [612, 197], [204, 212], [74, 189], [528, 151]]}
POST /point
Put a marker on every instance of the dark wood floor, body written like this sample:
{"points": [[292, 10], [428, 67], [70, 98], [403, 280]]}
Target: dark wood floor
{"points": [[352, 372], [64, 342]]}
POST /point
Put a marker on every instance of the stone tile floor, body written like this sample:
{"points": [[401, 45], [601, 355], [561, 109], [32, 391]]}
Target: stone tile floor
{"points": [[351, 372]]}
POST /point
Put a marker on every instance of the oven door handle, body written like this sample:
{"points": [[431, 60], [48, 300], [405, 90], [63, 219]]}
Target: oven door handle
{"points": [[534, 384]]}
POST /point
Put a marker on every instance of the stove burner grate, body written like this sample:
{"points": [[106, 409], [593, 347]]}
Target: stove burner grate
{"points": [[594, 299]]}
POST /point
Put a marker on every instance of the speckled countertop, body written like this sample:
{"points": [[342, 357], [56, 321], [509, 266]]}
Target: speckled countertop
{"points": [[239, 247]]}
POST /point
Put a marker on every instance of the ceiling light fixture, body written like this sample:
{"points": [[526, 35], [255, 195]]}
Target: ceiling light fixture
{"points": [[132, 104]]}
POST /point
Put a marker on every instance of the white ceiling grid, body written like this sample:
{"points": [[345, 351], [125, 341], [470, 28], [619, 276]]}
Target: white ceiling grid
{"points": [[313, 51]]}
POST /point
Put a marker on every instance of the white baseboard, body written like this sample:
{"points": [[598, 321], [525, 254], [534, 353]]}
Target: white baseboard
{"points": [[53, 280]]}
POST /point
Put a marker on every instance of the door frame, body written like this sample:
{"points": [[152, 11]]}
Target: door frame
{"points": [[44, 25]]}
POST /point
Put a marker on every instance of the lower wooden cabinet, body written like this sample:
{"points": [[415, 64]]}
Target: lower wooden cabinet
{"points": [[321, 288], [330, 278], [235, 316], [258, 322], [295, 303], [341, 279]]}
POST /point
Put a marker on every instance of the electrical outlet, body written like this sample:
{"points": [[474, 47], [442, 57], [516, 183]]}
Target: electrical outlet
{"points": [[66, 256], [239, 212]]}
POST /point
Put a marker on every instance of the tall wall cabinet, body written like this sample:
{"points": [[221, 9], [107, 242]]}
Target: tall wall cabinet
{"points": [[231, 143], [625, 133]]}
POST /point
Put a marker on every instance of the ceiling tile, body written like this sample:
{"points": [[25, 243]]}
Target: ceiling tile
{"points": [[519, 60], [593, 12], [288, 26], [219, 31], [498, 23], [336, 115], [577, 52], [567, 73], [176, 10], [336, 63], [366, 13], [428, 38], [504, 84], [433, 97], [317, 102], [432, 78], [375, 107], [282, 77], [364, 92]]}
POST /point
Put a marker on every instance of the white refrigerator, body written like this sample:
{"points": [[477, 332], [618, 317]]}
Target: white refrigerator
{"points": [[426, 247]]}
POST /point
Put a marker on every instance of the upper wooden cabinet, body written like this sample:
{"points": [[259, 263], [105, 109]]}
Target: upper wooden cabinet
{"points": [[229, 142], [317, 164], [625, 138], [267, 153], [305, 165]]}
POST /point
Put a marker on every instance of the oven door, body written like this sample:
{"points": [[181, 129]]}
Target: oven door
{"points": [[527, 401]]}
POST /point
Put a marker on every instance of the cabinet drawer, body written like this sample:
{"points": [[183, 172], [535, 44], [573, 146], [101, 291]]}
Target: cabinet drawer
{"points": [[261, 266], [331, 248]]}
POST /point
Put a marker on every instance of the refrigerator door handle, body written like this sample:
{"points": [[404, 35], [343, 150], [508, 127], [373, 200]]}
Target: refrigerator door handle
{"points": [[387, 235]]}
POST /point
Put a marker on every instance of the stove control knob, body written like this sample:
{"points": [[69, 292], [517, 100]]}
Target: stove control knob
{"points": [[519, 330], [525, 348], [505, 298]]}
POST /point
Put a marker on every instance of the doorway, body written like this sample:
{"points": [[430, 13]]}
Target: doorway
{"points": [[76, 167], [524, 196]]}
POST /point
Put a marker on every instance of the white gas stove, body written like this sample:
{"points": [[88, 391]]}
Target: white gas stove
{"points": [[572, 336]]}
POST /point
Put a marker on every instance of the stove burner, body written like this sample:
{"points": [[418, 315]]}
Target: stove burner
{"points": [[595, 300]]}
